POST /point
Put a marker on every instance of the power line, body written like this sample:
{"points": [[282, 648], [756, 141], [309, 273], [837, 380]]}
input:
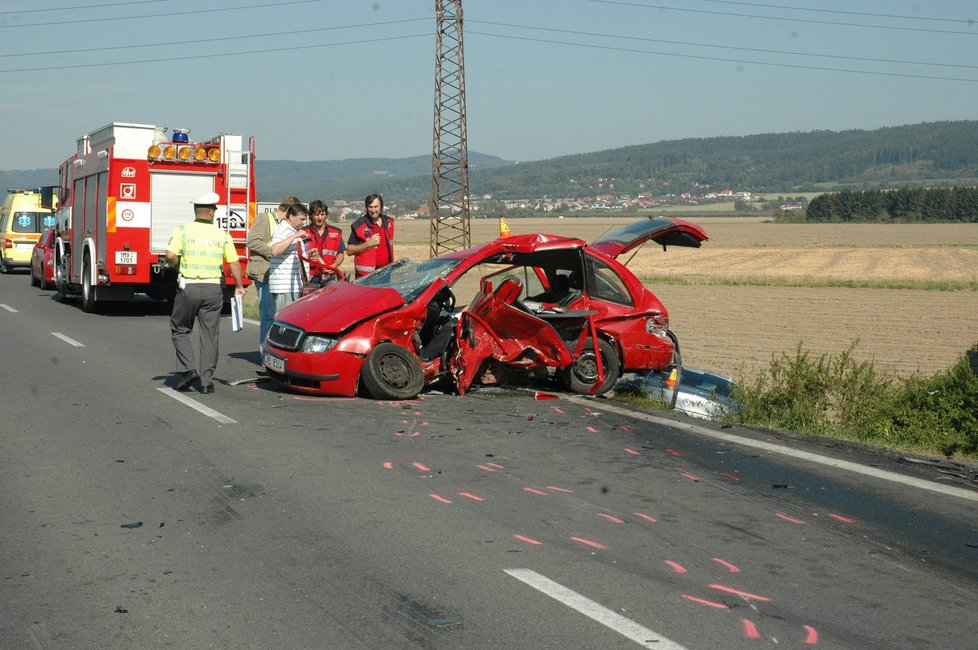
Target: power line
{"points": [[967, 21], [724, 47], [798, 20], [726, 60], [213, 56], [99, 6], [214, 40], [166, 15]]}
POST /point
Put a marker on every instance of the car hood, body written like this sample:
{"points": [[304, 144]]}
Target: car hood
{"points": [[339, 306], [665, 231]]}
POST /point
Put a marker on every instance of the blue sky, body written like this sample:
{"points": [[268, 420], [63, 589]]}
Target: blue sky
{"points": [[334, 79]]}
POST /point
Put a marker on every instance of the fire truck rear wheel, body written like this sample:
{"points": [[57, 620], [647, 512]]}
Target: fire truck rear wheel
{"points": [[88, 301]]}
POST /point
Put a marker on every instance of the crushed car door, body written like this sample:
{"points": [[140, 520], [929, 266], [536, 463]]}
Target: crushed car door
{"points": [[665, 231], [496, 326]]}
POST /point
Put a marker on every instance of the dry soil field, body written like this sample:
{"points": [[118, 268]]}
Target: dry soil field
{"points": [[736, 330]]}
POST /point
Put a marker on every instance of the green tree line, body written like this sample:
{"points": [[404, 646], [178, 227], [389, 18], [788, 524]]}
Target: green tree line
{"points": [[903, 205]]}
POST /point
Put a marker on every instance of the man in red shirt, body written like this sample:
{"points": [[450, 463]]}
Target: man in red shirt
{"points": [[325, 247], [371, 239]]}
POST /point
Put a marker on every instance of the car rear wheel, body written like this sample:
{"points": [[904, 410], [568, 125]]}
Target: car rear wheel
{"points": [[582, 375], [61, 276], [392, 372], [88, 302], [34, 281]]}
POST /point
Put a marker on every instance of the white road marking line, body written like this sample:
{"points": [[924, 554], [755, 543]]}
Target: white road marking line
{"points": [[624, 626], [8, 308], [197, 406], [68, 339], [845, 465]]}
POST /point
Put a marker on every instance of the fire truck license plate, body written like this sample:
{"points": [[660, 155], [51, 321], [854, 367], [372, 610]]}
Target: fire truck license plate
{"points": [[125, 257], [276, 364]]}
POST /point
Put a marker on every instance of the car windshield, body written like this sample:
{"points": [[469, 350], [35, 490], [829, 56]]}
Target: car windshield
{"points": [[409, 278]]}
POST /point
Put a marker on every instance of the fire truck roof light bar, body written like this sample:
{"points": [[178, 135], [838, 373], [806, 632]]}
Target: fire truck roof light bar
{"points": [[184, 153]]}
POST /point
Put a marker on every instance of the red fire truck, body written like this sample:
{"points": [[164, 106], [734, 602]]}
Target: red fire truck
{"points": [[122, 194]]}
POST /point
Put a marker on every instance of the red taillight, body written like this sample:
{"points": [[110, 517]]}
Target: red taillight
{"points": [[657, 324]]}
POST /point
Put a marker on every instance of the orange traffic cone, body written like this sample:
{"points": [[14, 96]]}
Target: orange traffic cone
{"points": [[671, 381], [503, 228]]}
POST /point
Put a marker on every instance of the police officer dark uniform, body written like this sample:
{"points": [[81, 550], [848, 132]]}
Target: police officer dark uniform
{"points": [[200, 249]]}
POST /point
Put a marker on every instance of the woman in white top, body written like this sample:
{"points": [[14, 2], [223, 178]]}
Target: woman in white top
{"points": [[285, 275]]}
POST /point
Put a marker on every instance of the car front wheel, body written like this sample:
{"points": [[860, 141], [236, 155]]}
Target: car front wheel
{"points": [[392, 372]]}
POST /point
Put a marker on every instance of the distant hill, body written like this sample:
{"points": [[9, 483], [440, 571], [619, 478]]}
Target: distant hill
{"points": [[930, 154], [353, 177], [27, 179]]}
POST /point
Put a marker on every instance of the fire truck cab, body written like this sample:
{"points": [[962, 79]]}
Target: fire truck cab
{"points": [[122, 194]]}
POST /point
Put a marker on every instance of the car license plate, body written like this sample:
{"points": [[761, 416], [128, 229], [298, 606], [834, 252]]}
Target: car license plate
{"points": [[22, 244], [276, 364], [125, 257]]}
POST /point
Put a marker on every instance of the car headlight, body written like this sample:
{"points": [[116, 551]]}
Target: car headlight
{"points": [[313, 343]]}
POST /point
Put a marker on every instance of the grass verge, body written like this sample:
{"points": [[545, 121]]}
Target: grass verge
{"points": [[835, 396]]}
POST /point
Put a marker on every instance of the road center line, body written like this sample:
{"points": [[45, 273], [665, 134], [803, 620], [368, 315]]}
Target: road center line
{"points": [[612, 620], [67, 339], [197, 406], [795, 453], [8, 308]]}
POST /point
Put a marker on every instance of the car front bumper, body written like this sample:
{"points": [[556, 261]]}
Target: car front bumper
{"points": [[332, 373]]}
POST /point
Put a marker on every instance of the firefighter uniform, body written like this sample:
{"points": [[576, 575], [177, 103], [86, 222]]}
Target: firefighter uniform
{"points": [[329, 244], [373, 258], [202, 249]]}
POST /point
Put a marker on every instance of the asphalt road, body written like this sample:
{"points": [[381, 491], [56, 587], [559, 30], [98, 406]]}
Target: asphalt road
{"points": [[135, 516]]}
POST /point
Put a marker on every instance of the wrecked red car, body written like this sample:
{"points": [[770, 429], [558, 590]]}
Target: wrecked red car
{"points": [[537, 309]]}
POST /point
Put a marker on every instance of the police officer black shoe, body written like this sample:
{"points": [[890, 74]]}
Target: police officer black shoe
{"points": [[208, 389], [187, 379]]}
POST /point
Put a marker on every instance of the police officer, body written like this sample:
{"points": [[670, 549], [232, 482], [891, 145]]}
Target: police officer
{"points": [[200, 249]]}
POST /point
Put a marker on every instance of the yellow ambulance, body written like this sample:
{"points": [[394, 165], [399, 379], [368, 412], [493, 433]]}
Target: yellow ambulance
{"points": [[22, 220]]}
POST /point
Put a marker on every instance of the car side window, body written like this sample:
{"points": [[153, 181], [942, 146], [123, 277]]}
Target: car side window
{"points": [[604, 284]]}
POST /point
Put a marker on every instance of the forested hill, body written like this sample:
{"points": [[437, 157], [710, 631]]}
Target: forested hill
{"points": [[930, 154], [934, 153]]}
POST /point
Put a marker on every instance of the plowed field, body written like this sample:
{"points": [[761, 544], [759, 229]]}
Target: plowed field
{"points": [[735, 330]]}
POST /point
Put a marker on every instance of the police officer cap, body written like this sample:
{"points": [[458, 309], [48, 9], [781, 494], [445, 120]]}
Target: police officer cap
{"points": [[211, 198]]}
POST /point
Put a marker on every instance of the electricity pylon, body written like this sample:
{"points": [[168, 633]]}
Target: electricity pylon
{"points": [[449, 205]]}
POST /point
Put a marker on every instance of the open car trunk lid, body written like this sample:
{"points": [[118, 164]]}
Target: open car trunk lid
{"points": [[665, 231]]}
